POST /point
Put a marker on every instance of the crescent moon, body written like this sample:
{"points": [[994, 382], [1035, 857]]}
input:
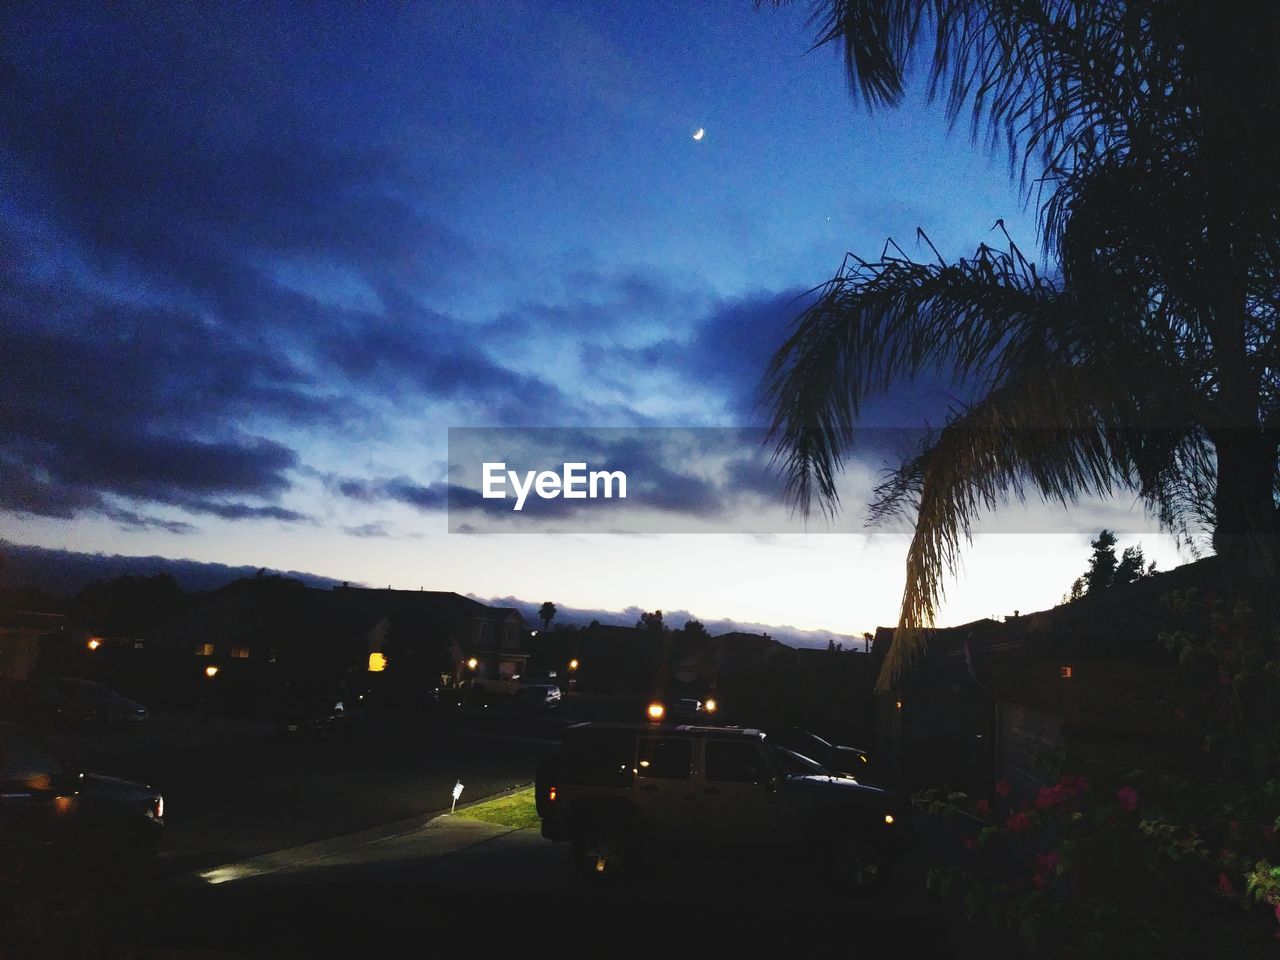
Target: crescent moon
{"points": [[699, 133]]}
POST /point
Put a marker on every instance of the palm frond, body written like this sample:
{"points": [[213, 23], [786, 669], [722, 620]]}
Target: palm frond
{"points": [[1040, 434], [877, 322]]}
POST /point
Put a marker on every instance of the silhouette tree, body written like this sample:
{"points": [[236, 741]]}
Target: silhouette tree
{"points": [[651, 621], [1102, 563], [1132, 566], [547, 613], [1144, 359], [695, 629]]}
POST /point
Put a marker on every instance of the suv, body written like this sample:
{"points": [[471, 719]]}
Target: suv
{"points": [[614, 790]]}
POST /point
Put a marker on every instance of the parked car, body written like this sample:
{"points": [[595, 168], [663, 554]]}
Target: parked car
{"points": [[616, 790], [48, 806], [539, 696], [74, 701], [517, 688], [850, 761], [318, 714]]}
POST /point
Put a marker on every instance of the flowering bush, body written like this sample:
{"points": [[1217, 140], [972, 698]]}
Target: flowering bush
{"points": [[1144, 863]]}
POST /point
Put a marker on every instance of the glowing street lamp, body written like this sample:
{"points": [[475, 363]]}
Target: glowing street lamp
{"points": [[473, 663], [573, 664], [211, 671], [94, 643]]}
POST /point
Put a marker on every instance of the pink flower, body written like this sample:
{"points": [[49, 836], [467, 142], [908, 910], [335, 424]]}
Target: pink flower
{"points": [[983, 807], [1003, 788], [1049, 797], [1047, 862], [1128, 799], [1225, 886], [1018, 823]]}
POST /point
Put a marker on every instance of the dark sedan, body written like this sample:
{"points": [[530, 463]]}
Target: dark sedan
{"points": [[48, 805], [849, 761], [76, 701]]}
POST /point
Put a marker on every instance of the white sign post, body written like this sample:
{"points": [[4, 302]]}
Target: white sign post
{"points": [[457, 792]]}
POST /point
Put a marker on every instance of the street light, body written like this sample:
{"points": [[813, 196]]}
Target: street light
{"points": [[573, 664], [473, 663], [94, 643], [211, 671]]}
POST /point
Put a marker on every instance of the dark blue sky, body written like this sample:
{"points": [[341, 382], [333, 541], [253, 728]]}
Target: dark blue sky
{"points": [[256, 259]]}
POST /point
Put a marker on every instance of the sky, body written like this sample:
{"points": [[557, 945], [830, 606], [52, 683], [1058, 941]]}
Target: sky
{"points": [[257, 260]]}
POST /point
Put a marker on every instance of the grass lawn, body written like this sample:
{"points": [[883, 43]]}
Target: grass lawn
{"points": [[515, 810]]}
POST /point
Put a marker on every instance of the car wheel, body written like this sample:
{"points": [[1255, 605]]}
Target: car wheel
{"points": [[603, 850]]}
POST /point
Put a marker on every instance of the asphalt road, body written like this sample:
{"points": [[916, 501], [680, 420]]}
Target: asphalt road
{"points": [[480, 889], [285, 846]]}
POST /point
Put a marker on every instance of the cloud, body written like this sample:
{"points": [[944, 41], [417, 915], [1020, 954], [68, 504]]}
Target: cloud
{"points": [[189, 249]]}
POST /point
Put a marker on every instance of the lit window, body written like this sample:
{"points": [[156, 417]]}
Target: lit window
{"points": [[377, 662], [240, 653], [1064, 672], [204, 650]]}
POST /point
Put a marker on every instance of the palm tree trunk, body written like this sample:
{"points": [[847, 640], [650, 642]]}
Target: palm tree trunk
{"points": [[1246, 534]]}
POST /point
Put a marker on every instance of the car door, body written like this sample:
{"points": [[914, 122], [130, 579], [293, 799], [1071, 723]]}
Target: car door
{"points": [[738, 800], [663, 787]]}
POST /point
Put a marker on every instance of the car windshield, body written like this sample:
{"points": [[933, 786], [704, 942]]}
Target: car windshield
{"points": [[797, 765]]}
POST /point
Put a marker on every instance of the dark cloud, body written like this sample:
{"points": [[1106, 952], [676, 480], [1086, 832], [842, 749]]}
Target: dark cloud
{"points": [[191, 245]]}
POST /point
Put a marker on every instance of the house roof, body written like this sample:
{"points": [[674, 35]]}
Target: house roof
{"points": [[1122, 623]]}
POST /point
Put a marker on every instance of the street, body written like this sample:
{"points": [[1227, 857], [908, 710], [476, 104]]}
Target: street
{"points": [[284, 846]]}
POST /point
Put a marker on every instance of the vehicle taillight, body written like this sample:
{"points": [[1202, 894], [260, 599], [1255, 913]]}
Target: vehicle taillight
{"points": [[551, 794]]}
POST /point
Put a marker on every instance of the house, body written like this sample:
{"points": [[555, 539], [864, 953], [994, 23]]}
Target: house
{"points": [[259, 633], [24, 635], [1013, 700]]}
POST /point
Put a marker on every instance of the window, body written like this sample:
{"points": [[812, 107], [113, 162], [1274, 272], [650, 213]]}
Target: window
{"points": [[204, 650], [730, 762], [664, 759], [599, 758], [240, 653]]}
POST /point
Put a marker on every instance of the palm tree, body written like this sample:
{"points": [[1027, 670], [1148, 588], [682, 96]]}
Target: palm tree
{"points": [[547, 613], [1146, 358]]}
